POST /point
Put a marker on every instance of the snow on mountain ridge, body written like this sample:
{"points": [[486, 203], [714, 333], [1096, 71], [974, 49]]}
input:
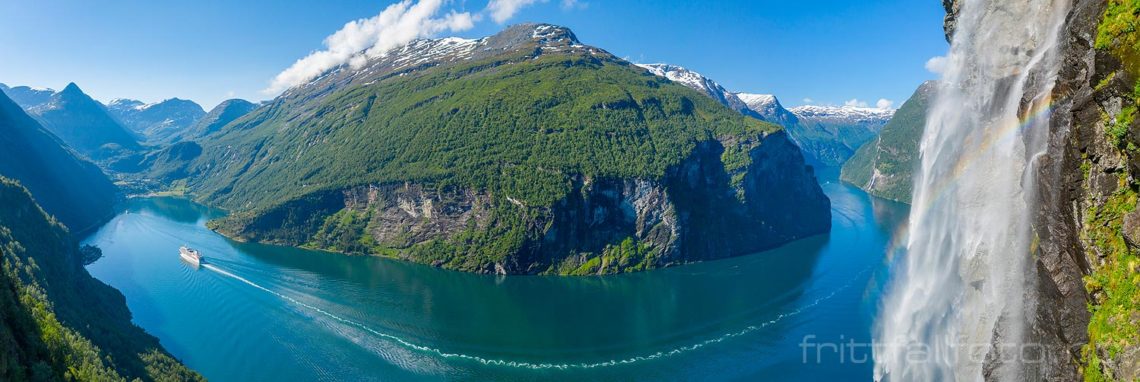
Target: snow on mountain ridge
{"points": [[428, 52], [698, 82], [842, 113], [765, 104]]}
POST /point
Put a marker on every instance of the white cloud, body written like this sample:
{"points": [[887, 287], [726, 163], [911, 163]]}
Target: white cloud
{"points": [[936, 64], [884, 103], [809, 101], [855, 103], [574, 4], [358, 40], [503, 10]]}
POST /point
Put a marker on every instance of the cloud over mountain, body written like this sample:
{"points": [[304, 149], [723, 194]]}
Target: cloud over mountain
{"points": [[359, 40]]}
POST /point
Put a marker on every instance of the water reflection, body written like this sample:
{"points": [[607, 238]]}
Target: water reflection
{"points": [[323, 316], [594, 316]]}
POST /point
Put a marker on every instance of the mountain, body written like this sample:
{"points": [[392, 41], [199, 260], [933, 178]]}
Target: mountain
{"points": [[827, 135], [84, 124], [885, 166], [1089, 223], [57, 323], [27, 97], [523, 152], [831, 134], [72, 189], [226, 112], [768, 107], [700, 83], [157, 122]]}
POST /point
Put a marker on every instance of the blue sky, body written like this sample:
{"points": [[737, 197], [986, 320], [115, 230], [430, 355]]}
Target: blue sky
{"points": [[829, 51]]}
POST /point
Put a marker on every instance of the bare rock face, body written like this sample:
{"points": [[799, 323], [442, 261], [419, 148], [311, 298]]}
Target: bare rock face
{"points": [[951, 20], [1132, 228], [694, 212], [1060, 323]]}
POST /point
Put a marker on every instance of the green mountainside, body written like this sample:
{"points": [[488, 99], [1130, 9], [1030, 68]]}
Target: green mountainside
{"points": [[884, 166], [57, 323], [523, 152], [72, 189]]}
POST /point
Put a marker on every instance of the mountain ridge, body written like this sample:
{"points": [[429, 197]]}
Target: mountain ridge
{"points": [[72, 189], [827, 135], [504, 143], [157, 122], [885, 166], [84, 124]]}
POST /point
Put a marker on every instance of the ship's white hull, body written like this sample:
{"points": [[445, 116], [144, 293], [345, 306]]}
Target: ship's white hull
{"points": [[190, 258]]}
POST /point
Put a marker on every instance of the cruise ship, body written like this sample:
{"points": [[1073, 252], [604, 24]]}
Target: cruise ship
{"points": [[191, 255]]}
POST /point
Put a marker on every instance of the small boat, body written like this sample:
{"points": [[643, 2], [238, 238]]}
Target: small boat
{"points": [[191, 255]]}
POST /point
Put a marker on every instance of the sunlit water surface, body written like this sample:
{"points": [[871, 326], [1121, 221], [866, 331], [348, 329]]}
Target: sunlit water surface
{"points": [[260, 312]]}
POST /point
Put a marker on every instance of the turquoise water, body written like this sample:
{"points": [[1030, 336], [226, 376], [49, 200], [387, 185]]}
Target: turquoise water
{"points": [[259, 312]]}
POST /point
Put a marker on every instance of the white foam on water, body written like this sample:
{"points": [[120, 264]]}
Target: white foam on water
{"points": [[535, 365]]}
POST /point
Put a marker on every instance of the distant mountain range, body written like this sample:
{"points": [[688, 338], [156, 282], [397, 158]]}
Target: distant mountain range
{"points": [[79, 121], [700, 83], [157, 122], [27, 97], [121, 131], [829, 135]]}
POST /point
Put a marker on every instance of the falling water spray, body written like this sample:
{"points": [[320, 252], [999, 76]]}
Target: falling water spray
{"points": [[956, 308]]}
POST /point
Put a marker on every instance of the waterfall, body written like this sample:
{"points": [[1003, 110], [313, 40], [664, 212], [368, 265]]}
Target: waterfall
{"points": [[957, 307]]}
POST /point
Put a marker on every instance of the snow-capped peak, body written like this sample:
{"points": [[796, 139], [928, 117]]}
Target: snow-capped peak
{"points": [[126, 103], [842, 112], [761, 103], [698, 82]]}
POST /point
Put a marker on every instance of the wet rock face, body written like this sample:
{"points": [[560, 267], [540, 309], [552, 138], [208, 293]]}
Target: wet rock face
{"points": [[1060, 316], [1060, 322], [951, 20]]}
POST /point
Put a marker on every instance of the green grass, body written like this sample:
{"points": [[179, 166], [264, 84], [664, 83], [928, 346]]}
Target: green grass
{"points": [[1117, 32], [1114, 281], [513, 127], [894, 154]]}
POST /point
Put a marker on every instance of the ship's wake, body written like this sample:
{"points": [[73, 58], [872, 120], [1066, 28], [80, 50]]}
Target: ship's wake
{"points": [[540, 365]]}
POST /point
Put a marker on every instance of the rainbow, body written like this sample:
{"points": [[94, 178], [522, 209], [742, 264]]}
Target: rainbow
{"points": [[1040, 111]]}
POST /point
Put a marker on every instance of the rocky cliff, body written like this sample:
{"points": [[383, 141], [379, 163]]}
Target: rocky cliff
{"points": [[697, 211], [520, 153], [1088, 307]]}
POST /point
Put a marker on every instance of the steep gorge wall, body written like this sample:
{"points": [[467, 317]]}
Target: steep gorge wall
{"points": [[1086, 318], [697, 211]]}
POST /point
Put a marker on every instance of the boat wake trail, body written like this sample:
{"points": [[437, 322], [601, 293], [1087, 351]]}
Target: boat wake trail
{"points": [[536, 365]]}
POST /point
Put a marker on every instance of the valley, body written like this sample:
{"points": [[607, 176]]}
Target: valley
{"points": [[327, 316], [440, 192]]}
